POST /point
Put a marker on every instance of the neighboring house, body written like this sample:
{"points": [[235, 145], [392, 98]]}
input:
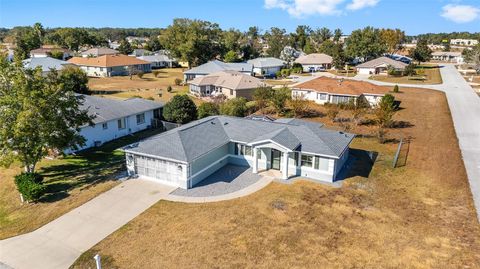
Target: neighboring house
{"points": [[315, 62], [159, 61], [267, 66], [464, 42], [97, 52], [140, 52], [47, 50], [46, 63], [115, 118], [229, 83], [447, 56], [379, 66], [111, 65], [217, 66], [323, 90], [186, 155]]}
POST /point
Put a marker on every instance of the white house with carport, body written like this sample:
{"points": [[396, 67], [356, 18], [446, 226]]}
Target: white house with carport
{"points": [[324, 90], [267, 66], [315, 62], [159, 60], [379, 66], [115, 118], [217, 66], [186, 155], [448, 56]]}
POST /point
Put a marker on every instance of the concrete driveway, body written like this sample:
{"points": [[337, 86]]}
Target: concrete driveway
{"points": [[464, 106], [59, 243]]}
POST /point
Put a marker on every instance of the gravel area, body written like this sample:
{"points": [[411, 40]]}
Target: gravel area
{"points": [[228, 179]]}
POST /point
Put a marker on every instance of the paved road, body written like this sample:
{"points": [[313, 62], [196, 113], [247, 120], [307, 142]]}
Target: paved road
{"points": [[59, 243], [464, 106]]}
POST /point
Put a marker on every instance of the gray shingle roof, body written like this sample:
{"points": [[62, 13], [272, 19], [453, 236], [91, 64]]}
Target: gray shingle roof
{"points": [[216, 66], [46, 63], [106, 109], [266, 62], [190, 141]]}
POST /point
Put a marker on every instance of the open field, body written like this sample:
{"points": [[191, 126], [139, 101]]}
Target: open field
{"points": [[71, 181], [148, 86], [417, 216], [432, 76]]}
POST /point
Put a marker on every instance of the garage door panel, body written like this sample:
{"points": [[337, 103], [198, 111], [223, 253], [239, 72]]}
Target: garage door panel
{"points": [[160, 170]]}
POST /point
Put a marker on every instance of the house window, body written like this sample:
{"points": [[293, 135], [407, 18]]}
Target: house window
{"points": [[140, 118], [105, 125], [121, 124], [317, 160], [307, 160], [338, 99], [322, 96], [243, 150]]}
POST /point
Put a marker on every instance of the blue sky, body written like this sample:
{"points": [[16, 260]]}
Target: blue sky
{"points": [[413, 16]]}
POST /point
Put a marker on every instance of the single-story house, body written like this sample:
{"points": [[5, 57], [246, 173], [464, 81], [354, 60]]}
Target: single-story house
{"points": [[97, 52], [464, 42], [217, 66], [447, 56], [229, 83], [46, 51], [315, 62], [114, 118], [158, 61], [323, 90], [267, 66], [46, 63], [186, 155], [379, 66], [111, 65]]}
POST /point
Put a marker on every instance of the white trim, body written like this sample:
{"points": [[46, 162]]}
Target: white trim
{"points": [[154, 157], [270, 141]]}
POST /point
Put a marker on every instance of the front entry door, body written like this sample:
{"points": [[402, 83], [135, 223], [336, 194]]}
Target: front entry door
{"points": [[276, 157]]}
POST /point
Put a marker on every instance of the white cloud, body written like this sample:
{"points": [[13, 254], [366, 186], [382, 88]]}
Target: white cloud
{"points": [[301, 8], [359, 4], [460, 13]]}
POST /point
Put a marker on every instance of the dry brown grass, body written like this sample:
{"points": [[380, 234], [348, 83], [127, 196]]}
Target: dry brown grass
{"points": [[417, 216], [432, 76], [148, 86]]}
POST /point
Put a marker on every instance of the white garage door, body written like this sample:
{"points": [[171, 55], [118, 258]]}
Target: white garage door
{"points": [[163, 171]]}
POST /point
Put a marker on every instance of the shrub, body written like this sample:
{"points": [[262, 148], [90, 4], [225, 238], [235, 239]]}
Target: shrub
{"points": [[169, 88], [299, 106], [279, 99], [156, 73], [140, 74], [396, 89], [234, 107], [207, 109], [30, 186], [332, 112], [178, 82], [410, 70], [181, 109], [262, 96]]}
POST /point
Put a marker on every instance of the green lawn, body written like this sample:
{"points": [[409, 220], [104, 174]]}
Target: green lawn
{"points": [[71, 181]]}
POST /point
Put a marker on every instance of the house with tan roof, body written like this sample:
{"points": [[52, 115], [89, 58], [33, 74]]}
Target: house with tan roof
{"points": [[379, 66], [315, 62], [229, 83], [111, 65], [323, 90]]}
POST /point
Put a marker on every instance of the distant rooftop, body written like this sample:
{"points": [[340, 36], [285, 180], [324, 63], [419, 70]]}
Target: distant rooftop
{"points": [[216, 66]]}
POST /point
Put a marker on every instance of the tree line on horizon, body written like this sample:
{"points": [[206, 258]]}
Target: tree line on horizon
{"points": [[198, 41]]}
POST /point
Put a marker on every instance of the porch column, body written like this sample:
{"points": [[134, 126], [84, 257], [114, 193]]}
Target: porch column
{"points": [[255, 161], [285, 165]]}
